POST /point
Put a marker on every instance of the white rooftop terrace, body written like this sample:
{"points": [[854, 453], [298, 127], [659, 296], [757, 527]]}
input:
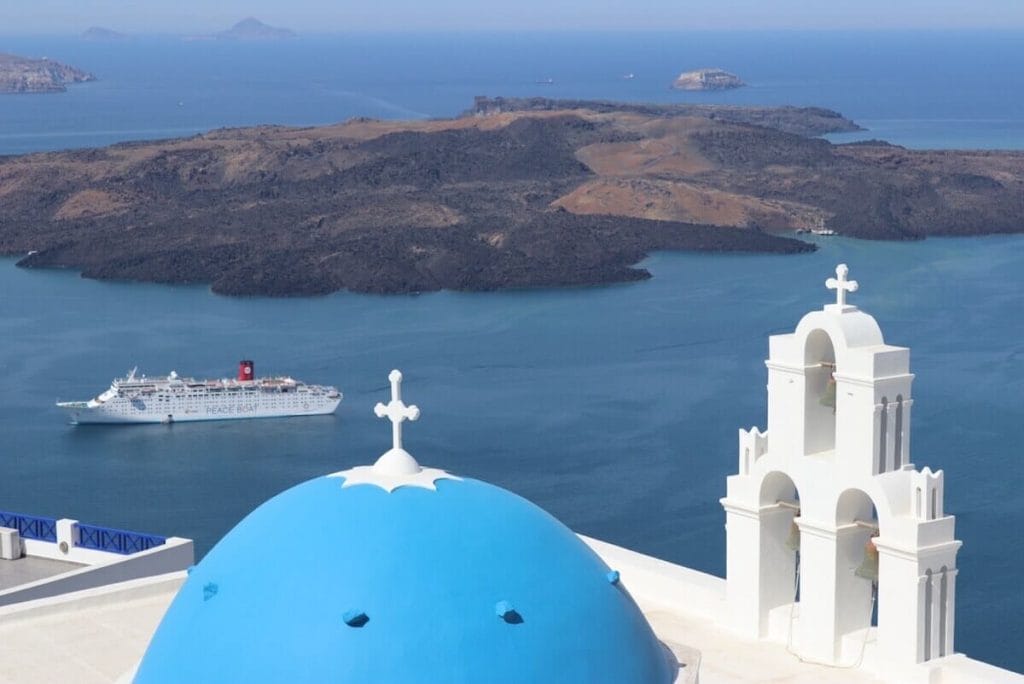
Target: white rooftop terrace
{"points": [[28, 569], [88, 637], [99, 635], [63, 556]]}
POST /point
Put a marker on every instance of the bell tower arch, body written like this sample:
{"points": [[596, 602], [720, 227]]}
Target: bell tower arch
{"points": [[819, 419]]}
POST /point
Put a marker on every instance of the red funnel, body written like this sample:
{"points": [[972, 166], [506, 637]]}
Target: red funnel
{"points": [[245, 370]]}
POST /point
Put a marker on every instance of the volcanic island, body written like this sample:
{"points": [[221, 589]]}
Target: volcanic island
{"points": [[513, 193]]}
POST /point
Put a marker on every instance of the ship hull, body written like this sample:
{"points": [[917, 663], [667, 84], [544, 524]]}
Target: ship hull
{"points": [[101, 416], [174, 399], [98, 417]]}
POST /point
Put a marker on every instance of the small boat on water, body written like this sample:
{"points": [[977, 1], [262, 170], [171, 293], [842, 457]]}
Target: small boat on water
{"points": [[817, 229], [174, 399]]}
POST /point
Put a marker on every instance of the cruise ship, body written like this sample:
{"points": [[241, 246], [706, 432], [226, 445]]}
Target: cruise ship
{"points": [[174, 399]]}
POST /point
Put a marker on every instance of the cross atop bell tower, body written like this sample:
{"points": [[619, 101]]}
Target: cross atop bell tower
{"points": [[841, 285]]}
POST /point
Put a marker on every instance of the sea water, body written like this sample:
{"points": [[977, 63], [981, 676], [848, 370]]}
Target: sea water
{"points": [[921, 89], [615, 408]]}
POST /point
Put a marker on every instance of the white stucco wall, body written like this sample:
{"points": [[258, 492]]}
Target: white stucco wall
{"points": [[174, 555]]}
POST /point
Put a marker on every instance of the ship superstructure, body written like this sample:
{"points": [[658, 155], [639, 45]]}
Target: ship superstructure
{"points": [[174, 399]]}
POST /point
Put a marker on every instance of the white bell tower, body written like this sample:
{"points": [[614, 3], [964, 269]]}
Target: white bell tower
{"points": [[827, 519]]}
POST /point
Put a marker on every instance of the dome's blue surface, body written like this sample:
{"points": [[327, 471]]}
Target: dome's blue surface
{"points": [[271, 601]]}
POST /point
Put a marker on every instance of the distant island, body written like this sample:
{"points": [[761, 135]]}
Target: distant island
{"points": [[804, 121], [26, 75], [707, 79], [254, 29], [514, 193], [99, 33]]}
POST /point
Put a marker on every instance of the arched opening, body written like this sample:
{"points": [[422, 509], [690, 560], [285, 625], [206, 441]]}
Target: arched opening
{"points": [[819, 393], [857, 562], [780, 545]]}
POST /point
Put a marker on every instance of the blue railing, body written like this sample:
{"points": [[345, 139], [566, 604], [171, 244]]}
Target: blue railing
{"points": [[115, 541], [30, 526]]}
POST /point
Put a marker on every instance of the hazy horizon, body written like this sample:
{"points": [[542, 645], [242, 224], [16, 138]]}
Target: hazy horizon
{"points": [[319, 16]]}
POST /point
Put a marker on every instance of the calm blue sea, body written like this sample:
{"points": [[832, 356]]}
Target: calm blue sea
{"points": [[615, 408], [921, 89]]}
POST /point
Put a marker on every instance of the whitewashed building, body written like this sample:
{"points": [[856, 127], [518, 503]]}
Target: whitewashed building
{"points": [[828, 520]]}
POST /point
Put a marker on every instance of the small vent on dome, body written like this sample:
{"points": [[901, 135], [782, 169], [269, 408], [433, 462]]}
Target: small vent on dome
{"points": [[508, 613], [613, 576], [355, 618]]}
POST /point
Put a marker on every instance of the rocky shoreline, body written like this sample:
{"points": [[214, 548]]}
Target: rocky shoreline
{"points": [[514, 194], [806, 121], [25, 75]]}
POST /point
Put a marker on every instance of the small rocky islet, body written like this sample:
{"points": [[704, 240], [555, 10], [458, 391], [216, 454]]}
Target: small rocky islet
{"points": [[28, 75], [707, 79], [101, 33], [251, 28]]}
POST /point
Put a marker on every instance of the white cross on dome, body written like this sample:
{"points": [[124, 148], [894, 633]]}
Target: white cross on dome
{"points": [[396, 468], [396, 411]]}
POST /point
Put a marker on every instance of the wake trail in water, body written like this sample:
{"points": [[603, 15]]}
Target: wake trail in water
{"points": [[386, 105]]}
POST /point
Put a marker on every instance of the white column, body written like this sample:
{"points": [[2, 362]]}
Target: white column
{"points": [[904, 610], [936, 609], [817, 627], [786, 407], [922, 609], [948, 648], [742, 568]]}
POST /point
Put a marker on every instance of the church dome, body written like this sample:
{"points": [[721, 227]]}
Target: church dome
{"points": [[398, 574]]}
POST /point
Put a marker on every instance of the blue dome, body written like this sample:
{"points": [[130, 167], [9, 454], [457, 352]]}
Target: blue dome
{"points": [[469, 583]]}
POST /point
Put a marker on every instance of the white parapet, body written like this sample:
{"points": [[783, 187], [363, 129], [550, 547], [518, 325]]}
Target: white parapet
{"points": [[10, 544], [689, 613], [71, 557]]}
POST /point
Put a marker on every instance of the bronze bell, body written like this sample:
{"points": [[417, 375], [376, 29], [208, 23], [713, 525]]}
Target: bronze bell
{"points": [[869, 567], [793, 541], [829, 396]]}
